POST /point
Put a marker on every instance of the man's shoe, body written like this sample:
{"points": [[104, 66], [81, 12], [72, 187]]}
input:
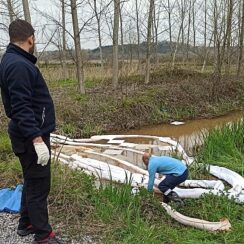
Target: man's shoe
{"points": [[166, 199], [26, 231], [173, 196], [51, 239]]}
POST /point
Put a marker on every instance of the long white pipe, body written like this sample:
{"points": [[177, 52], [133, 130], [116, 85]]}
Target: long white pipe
{"points": [[222, 225]]}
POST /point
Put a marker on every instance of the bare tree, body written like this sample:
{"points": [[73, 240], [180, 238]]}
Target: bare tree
{"points": [[26, 10], [149, 37], [240, 56], [193, 23], [228, 34], [188, 29], [170, 25], [222, 32], [10, 10], [138, 33], [115, 43], [79, 61], [98, 18], [181, 31], [156, 18], [121, 32], [27, 16], [64, 45]]}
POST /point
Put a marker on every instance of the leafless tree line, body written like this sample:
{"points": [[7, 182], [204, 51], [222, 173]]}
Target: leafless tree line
{"points": [[209, 31]]}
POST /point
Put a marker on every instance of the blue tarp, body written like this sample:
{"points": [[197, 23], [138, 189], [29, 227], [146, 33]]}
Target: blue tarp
{"points": [[10, 199]]}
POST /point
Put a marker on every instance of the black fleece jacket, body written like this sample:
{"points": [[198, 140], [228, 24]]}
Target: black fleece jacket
{"points": [[25, 95]]}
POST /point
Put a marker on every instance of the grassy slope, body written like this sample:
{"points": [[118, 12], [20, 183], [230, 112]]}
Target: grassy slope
{"points": [[113, 215], [171, 95], [180, 94]]}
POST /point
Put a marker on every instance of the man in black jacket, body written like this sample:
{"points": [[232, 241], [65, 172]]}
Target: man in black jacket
{"points": [[30, 108]]}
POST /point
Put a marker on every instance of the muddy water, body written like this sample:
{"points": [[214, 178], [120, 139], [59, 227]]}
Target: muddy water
{"points": [[190, 132]]}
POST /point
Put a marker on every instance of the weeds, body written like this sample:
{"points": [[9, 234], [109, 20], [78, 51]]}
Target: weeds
{"points": [[5, 147], [224, 147], [10, 169], [111, 214]]}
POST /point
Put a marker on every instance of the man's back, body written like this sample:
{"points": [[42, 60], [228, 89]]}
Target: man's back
{"points": [[166, 165], [25, 95]]}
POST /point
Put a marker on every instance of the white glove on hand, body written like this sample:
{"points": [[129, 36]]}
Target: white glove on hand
{"points": [[42, 153]]}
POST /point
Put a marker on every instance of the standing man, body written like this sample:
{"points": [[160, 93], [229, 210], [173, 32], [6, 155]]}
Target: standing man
{"points": [[30, 108], [174, 170]]}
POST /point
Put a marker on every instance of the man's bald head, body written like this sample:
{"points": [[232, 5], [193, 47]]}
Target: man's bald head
{"points": [[145, 158]]}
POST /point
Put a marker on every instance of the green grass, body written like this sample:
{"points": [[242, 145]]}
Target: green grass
{"points": [[224, 147], [5, 147], [112, 214], [178, 95], [10, 169], [64, 83], [68, 83]]}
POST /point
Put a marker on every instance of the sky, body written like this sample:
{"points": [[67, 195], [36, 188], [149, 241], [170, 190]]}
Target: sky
{"points": [[45, 28], [48, 6]]}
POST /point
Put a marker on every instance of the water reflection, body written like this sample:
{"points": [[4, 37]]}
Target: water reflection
{"points": [[190, 133]]}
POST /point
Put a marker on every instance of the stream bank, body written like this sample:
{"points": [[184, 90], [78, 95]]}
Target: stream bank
{"points": [[177, 95]]}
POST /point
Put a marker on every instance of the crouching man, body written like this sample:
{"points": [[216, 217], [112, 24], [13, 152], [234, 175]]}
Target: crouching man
{"points": [[174, 170]]}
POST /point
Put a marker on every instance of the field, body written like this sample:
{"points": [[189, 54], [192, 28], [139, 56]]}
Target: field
{"points": [[112, 215]]}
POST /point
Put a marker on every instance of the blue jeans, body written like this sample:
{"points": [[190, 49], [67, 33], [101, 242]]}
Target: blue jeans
{"points": [[171, 181]]}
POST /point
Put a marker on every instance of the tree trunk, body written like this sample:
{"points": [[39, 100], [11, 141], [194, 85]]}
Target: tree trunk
{"points": [[205, 36], [156, 21], [26, 10], [115, 43], [138, 34], [10, 10], [64, 60], [170, 27], [188, 31], [149, 36], [193, 23], [27, 15], [241, 40], [121, 34], [79, 61], [99, 33], [181, 32], [228, 35], [183, 12]]}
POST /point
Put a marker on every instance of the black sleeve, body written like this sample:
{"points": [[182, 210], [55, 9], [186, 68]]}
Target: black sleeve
{"points": [[19, 82]]}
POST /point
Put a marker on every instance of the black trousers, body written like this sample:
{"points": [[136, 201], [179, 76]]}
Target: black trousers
{"points": [[171, 181], [35, 189]]}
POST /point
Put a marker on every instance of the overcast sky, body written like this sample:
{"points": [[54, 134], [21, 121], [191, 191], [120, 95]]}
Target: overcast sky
{"points": [[45, 28], [50, 7]]}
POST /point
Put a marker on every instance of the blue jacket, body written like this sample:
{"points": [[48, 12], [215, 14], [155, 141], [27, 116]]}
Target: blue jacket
{"points": [[163, 165], [25, 95]]}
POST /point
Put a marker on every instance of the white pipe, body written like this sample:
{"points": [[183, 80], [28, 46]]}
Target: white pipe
{"points": [[222, 225]]}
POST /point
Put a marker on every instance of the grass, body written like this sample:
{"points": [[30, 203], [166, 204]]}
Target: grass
{"points": [[111, 214], [179, 94], [10, 169], [133, 105], [224, 147]]}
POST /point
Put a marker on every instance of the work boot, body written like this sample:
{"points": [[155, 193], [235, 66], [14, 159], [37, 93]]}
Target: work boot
{"points": [[26, 231], [173, 196], [166, 199], [51, 239]]}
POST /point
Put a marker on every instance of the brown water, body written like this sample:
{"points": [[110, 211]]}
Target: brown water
{"points": [[189, 133]]}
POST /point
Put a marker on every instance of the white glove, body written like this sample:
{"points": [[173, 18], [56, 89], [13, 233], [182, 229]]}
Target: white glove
{"points": [[42, 153]]}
